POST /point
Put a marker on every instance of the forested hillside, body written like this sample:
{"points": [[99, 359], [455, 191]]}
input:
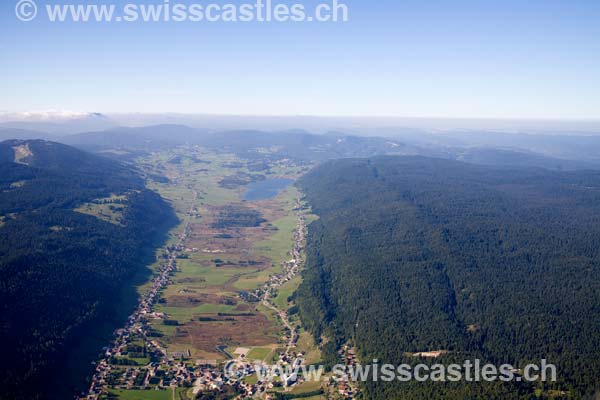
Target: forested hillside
{"points": [[414, 254], [61, 266]]}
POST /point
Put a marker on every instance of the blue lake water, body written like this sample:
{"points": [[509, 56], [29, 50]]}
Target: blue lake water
{"points": [[266, 189]]}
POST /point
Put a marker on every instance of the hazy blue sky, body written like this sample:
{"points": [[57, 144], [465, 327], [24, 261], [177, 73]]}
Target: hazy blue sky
{"points": [[510, 58]]}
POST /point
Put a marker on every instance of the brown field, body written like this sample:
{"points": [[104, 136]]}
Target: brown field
{"points": [[239, 240], [255, 330]]}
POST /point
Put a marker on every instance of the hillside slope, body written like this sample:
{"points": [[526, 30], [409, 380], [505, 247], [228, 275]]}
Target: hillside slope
{"points": [[74, 228], [414, 254]]}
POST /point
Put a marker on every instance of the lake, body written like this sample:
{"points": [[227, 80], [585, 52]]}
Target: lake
{"points": [[267, 189]]}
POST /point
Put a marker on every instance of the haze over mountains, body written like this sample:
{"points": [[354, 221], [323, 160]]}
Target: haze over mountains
{"points": [[542, 144], [67, 122]]}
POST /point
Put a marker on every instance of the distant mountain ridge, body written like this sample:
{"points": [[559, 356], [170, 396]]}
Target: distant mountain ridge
{"points": [[519, 158], [23, 134], [487, 148], [147, 138]]}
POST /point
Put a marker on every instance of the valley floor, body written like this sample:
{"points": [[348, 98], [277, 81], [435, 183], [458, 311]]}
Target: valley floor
{"points": [[221, 288]]}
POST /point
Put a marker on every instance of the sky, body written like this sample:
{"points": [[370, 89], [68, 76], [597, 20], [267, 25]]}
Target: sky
{"points": [[404, 58]]}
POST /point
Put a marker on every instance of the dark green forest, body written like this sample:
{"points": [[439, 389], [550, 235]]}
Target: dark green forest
{"points": [[60, 270], [413, 254]]}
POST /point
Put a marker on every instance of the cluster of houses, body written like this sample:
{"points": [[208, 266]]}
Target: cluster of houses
{"points": [[348, 355], [346, 388], [286, 373], [107, 373]]}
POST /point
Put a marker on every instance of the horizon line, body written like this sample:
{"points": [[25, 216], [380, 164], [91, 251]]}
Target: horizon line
{"points": [[69, 114]]}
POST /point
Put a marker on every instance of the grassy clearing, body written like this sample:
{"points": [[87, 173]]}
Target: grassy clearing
{"points": [[259, 353], [186, 314], [306, 344], [267, 312], [108, 209], [213, 194], [253, 281], [189, 271], [285, 291], [141, 361], [252, 379], [166, 330], [179, 197], [311, 218], [315, 398], [278, 246], [306, 387]]}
